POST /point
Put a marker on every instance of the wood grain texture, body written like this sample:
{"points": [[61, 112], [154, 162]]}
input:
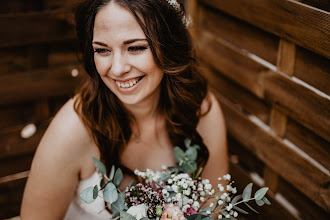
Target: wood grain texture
{"points": [[242, 98], [242, 34], [11, 194], [278, 156], [313, 69], [303, 25], [36, 27], [233, 64], [20, 87], [286, 57], [312, 144], [313, 111], [274, 212]]}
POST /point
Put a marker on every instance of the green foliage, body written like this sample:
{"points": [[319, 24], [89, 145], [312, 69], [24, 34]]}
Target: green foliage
{"points": [[247, 192], [119, 205], [261, 193], [100, 166], [126, 216], [88, 195], [118, 177], [110, 193], [186, 159]]}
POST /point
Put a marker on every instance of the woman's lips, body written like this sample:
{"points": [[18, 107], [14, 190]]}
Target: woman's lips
{"points": [[128, 84]]}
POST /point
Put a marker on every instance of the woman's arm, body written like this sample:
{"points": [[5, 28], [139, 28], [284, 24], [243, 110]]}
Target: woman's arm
{"points": [[56, 167], [212, 129]]}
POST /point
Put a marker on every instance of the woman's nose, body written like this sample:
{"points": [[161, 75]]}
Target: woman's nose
{"points": [[119, 65]]}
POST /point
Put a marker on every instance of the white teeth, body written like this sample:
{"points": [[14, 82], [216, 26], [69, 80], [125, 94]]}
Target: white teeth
{"points": [[128, 84]]}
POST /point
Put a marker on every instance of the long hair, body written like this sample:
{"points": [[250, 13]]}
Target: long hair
{"points": [[183, 88]]}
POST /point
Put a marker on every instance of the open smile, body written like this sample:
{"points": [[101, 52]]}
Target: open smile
{"points": [[128, 83]]}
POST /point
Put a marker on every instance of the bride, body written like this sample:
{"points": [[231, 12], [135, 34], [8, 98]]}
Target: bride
{"points": [[144, 95]]}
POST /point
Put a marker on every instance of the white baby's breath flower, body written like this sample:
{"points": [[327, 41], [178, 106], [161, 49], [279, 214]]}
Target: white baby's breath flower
{"points": [[212, 204], [202, 193], [196, 205], [170, 181], [229, 187], [219, 216], [220, 202], [229, 207], [208, 212], [234, 190], [235, 214], [202, 199]]}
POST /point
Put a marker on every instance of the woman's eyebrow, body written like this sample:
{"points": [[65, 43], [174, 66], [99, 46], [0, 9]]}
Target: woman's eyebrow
{"points": [[134, 40], [99, 43]]}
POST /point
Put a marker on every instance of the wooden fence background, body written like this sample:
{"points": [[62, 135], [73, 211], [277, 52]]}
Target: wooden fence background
{"points": [[267, 61]]}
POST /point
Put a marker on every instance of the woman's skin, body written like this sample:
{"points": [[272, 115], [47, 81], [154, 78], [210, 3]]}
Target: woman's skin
{"points": [[64, 155]]}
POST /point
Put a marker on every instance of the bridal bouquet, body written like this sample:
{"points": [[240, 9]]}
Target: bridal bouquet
{"points": [[176, 193]]}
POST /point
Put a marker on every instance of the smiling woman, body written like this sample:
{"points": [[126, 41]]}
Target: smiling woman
{"points": [[144, 95]]}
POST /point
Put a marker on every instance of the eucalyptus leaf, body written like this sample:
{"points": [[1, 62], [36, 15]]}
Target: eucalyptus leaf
{"points": [[208, 218], [112, 172], [95, 192], [240, 210], [173, 169], [102, 185], [87, 195], [250, 207], [118, 177], [191, 153], [126, 216], [165, 176], [260, 202], [119, 205], [100, 166], [261, 193], [187, 142], [195, 216], [179, 154], [235, 199], [132, 183], [198, 173], [188, 167], [145, 218], [110, 193], [101, 210], [266, 201], [247, 192]]}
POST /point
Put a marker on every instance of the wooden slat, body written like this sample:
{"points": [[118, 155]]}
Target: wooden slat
{"points": [[242, 98], [308, 208], [13, 165], [11, 194], [313, 69], [311, 110], [12, 6], [273, 212], [20, 87], [12, 144], [321, 4], [312, 144], [13, 60], [301, 24], [309, 178], [254, 40], [13, 115], [37, 27], [233, 64]]}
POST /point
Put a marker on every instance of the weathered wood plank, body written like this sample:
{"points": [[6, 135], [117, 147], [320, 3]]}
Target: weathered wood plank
{"points": [[308, 209], [14, 165], [13, 60], [313, 69], [233, 64], [321, 4], [12, 144], [274, 212], [11, 194], [301, 24], [36, 27], [312, 144], [254, 40], [313, 111], [239, 96], [20, 87], [309, 178]]}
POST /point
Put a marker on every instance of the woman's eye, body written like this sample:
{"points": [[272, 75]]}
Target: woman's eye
{"points": [[137, 48], [100, 50]]}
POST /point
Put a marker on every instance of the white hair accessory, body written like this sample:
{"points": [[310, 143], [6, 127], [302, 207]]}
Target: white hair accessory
{"points": [[174, 4]]}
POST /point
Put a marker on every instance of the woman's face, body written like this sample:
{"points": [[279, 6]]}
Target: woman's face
{"points": [[123, 57]]}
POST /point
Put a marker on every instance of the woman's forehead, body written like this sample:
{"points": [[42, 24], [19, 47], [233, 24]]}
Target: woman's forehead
{"points": [[115, 21]]}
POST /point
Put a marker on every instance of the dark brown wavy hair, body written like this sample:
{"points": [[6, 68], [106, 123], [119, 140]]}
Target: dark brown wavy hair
{"points": [[183, 88]]}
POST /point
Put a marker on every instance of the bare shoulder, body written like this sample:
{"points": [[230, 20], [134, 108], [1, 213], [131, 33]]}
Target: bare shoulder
{"points": [[212, 123], [212, 129], [62, 154]]}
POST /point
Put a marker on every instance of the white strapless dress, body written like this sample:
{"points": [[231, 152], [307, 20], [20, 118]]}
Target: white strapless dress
{"points": [[79, 210]]}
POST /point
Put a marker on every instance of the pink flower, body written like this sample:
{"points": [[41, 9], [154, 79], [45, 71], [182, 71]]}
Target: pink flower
{"points": [[172, 212], [191, 211]]}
